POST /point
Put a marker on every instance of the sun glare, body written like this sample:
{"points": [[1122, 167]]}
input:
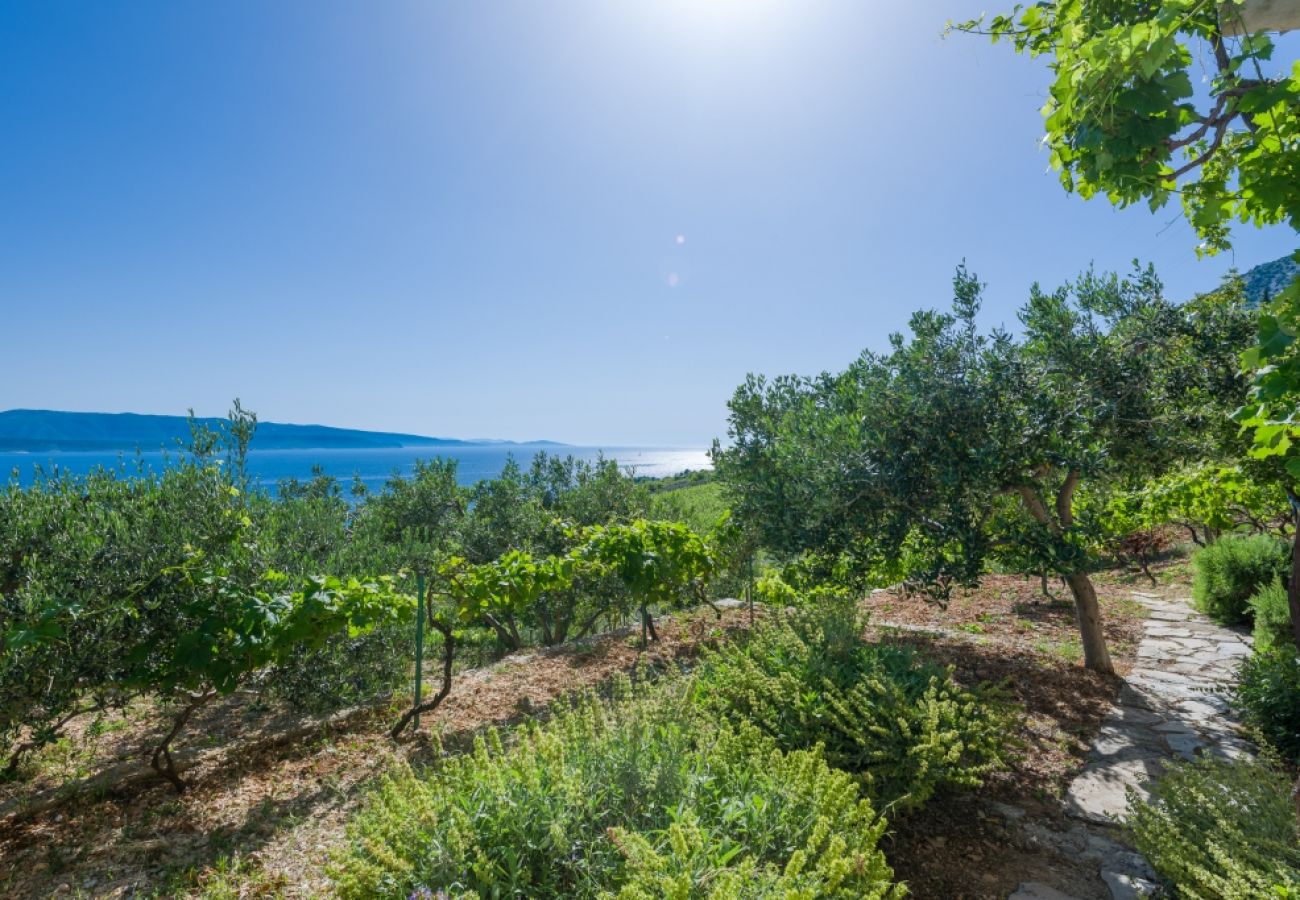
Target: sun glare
{"points": [[723, 16]]}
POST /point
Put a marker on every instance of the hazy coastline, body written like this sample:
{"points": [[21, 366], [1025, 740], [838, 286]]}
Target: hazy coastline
{"points": [[373, 465]]}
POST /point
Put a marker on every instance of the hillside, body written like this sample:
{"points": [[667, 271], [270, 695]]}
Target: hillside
{"points": [[1265, 280], [45, 430]]}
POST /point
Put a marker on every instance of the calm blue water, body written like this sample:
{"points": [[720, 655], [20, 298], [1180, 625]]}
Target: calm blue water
{"points": [[374, 466]]}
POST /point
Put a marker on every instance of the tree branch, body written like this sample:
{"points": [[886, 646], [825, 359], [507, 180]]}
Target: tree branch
{"points": [[508, 636], [161, 759], [1210, 120], [1037, 508], [1220, 131], [33, 743], [1065, 499], [1221, 58]]}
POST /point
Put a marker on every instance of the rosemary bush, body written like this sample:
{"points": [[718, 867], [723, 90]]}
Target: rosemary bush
{"points": [[1268, 689], [639, 798], [903, 725], [1232, 569]]}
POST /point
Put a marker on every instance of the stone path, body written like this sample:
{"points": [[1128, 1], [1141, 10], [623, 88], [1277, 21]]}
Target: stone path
{"points": [[1172, 706]]}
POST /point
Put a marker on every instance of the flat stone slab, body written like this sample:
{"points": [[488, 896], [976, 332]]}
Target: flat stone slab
{"points": [[1171, 687], [1232, 649], [1185, 745], [1135, 715], [1201, 710], [1159, 675], [1128, 887], [1169, 631], [1099, 793], [1120, 867], [1126, 740], [1201, 670], [1135, 697], [1234, 748]]}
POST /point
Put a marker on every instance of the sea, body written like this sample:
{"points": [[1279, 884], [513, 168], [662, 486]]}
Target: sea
{"points": [[374, 466]]}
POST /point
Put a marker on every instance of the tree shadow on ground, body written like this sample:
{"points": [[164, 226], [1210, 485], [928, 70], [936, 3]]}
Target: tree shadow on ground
{"points": [[954, 847], [1063, 705]]}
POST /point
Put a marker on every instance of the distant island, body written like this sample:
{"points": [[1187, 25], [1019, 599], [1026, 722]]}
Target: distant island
{"points": [[43, 430]]}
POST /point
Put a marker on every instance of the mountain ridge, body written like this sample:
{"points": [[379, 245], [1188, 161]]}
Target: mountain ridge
{"points": [[30, 430], [1266, 279]]}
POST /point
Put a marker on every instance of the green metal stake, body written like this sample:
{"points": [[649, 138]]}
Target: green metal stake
{"points": [[419, 647]]}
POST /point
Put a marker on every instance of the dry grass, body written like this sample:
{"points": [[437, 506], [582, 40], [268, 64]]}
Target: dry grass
{"points": [[1015, 613]]}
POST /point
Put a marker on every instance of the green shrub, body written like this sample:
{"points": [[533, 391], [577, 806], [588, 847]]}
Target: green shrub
{"points": [[81, 590], [1272, 614], [640, 796], [1232, 569], [692, 863], [903, 725], [772, 590], [1268, 688], [1220, 830]]}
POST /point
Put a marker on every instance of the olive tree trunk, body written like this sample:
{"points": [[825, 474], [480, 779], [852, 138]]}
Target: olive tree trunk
{"points": [[1058, 520], [161, 758], [1088, 613]]}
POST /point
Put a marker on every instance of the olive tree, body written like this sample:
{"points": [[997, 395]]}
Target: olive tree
{"points": [[1124, 121], [908, 462], [82, 563], [411, 523]]}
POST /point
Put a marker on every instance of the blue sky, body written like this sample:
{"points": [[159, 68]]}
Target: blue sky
{"points": [[578, 221]]}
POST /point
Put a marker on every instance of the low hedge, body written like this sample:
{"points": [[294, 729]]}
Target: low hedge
{"points": [[1268, 690], [1271, 611]]}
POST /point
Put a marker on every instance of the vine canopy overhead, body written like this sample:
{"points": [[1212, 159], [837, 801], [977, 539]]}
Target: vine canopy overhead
{"points": [[1125, 118]]}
